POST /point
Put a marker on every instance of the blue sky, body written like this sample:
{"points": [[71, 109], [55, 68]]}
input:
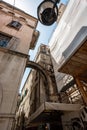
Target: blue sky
{"points": [[30, 6]]}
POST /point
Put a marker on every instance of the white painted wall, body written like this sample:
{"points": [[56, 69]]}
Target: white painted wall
{"points": [[73, 19]]}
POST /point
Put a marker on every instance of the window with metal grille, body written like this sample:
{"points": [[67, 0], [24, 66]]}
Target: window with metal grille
{"points": [[15, 24], [4, 40]]}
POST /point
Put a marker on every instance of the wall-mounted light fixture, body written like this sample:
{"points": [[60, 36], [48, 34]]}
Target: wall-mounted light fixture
{"points": [[48, 12]]}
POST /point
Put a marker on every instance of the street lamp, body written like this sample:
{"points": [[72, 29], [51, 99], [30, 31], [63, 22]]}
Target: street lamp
{"points": [[48, 12]]}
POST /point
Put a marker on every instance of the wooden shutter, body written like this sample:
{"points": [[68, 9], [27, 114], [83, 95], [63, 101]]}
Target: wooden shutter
{"points": [[13, 44]]}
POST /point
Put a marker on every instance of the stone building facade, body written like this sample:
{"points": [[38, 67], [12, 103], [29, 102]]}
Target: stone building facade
{"points": [[17, 35], [38, 91], [41, 104]]}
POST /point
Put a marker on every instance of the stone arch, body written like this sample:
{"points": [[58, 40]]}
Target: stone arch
{"points": [[38, 67]]}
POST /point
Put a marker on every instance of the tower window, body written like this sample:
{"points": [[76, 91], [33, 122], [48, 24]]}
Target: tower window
{"points": [[15, 24], [4, 40]]}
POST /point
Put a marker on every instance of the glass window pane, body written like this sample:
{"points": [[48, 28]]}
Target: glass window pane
{"points": [[4, 40]]}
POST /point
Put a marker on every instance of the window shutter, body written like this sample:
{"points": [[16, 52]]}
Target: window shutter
{"points": [[13, 44]]}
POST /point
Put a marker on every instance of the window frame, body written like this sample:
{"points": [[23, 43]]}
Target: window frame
{"points": [[13, 42], [5, 35], [15, 24]]}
